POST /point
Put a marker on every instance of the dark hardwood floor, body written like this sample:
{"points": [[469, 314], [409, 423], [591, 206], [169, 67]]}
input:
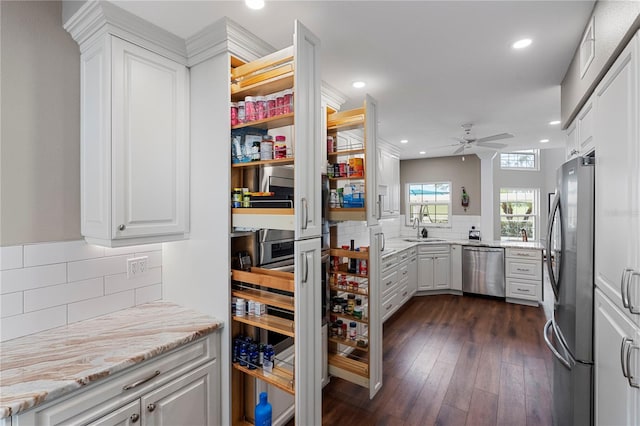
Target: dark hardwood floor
{"points": [[451, 360]]}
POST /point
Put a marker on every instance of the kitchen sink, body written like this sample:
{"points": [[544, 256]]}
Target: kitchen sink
{"points": [[423, 240]]}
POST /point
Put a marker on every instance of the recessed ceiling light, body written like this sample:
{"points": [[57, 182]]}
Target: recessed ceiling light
{"points": [[254, 4], [544, 140], [404, 141], [359, 84], [521, 44], [554, 123], [423, 152]]}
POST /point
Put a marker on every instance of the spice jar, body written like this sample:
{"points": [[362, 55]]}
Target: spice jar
{"points": [[241, 114], [250, 108], [352, 330], [287, 107], [341, 329], [236, 198], [279, 103], [281, 147], [351, 303]]}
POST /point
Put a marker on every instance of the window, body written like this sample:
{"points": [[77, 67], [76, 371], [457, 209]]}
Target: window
{"points": [[431, 202], [520, 160], [518, 211]]}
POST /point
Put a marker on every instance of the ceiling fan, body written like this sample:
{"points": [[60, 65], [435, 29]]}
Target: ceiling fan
{"points": [[467, 141]]}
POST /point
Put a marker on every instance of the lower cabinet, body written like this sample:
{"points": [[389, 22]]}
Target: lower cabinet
{"points": [[617, 365], [412, 283], [433, 268], [178, 388], [456, 267], [523, 271]]}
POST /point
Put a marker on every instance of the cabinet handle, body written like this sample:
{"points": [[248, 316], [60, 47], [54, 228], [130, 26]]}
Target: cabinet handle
{"points": [[632, 309], [305, 266], [625, 360], [623, 349], [633, 382], [141, 381], [305, 212], [151, 407], [624, 289], [134, 418], [523, 290], [389, 306], [122, 227], [405, 293], [522, 270], [379, 206]]}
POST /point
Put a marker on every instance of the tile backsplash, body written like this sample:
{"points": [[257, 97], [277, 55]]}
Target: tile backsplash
{"points": [[49, 285], [359, 232]]}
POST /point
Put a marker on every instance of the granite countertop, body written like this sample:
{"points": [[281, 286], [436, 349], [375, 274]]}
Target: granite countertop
{"points": [[393, 245], [40, 367]]}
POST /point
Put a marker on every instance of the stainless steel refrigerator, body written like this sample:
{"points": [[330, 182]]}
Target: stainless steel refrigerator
{"points": [[569, 334]]}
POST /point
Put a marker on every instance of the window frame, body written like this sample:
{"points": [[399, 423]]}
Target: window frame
{"points": [[535, 236], [536, 160], [408, 204]]}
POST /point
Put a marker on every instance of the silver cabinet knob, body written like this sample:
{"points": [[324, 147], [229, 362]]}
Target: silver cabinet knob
{"points": [[134, 418], [121, 227], [151, 407]]}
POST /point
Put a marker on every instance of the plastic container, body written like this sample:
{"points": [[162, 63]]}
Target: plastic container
{"points": [[261, 108], [280, 150], [250, 109], [241, 112], [234, 113], [266, 147], [279, 102], [263, 411], [271, 105], [287, 106], [240, 307], [353, 330]]}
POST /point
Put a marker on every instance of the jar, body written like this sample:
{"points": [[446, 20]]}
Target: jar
{"points": [[280, 147], [266, 147], [352, 330], [330, 145], [351, 303], [234, 113], [340, 325], [344, 329], [333, 199], [340, 192], [255, 151], [236, 198], [250, 108], [261, 108], [240, 307], [241, 114], [251, 307], [279, 103], [287, 107], [334, 330], [246, 200], [271, 105], [357, 312]]}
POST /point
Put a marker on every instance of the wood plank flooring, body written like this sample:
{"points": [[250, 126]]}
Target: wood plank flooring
{"points": [[451, 360]]}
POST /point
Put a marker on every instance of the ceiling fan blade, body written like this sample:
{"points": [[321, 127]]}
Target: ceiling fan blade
{"points": [[492, 145], [445, 146], [459, 140], [459, 150], [495, 137]]}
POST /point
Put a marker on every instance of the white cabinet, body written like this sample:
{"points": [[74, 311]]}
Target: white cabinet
{"points": [[523, 273], [456, 267], [572, 140], [388, 177], [433, 267], [134, 145], [412, 283], [617, 359], [581, 132], [617, 210], [180, 387]]}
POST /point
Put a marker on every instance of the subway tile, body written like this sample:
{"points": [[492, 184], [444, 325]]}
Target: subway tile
{"points": [[100, 306], [62, 294], [119, 282], [11, 304], [10, 257], [64, 251], [27, 278], [93, 268], [131, 250], [155, 258], [148, 294], [32, 322]]}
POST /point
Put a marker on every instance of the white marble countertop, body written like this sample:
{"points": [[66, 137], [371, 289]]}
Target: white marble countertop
{"points": [[394, 245], [40, 367]]}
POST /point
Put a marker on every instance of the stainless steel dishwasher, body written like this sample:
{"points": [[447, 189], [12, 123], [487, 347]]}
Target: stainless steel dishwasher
{"points": [[483, 270]]}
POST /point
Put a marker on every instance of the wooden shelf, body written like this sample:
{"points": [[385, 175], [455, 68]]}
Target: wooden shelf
{"points": [[266, 297], [280, 378], [255, 218], [349, 317], [346, 214], [342, 270], [348, 342], [276, 280], [359, 293], [269, 322], [268, 123], [349, 253], [263, 76], [346, 120], [274, 162], [336, 179], [346, 152], [349, 365]]}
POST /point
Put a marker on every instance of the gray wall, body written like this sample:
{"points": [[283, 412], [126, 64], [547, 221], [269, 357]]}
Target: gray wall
{"points": [[453, 169], [615, 23], [40, 150], [544, 180]]}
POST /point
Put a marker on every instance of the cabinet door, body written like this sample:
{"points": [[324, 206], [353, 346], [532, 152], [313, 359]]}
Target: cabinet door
{"points": [[425, 273], [376, 244], [129, 415], [572, 140], [308, 346], [441, 271], [371, 138], [585, 120], [617, 209], [307, 134], [394, 176], [617, 402], [188, 400], [150, 145], [413, 275], [383, 191], [456, 267]]}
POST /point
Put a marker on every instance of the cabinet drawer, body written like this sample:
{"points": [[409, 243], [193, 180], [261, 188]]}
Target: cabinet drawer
{"points": [[523, 253], [389, 306], [403, 271], [520, 289], [387, 263], [528, 269], [403, 294], [389, 282], [404, 256], [424, 248]]}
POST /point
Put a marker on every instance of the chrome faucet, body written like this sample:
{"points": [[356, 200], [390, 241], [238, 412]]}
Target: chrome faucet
{"points": [[416, 225]]}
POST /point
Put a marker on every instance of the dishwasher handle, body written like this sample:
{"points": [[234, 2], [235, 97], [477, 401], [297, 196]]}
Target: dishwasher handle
{"points": [[485, 249]]}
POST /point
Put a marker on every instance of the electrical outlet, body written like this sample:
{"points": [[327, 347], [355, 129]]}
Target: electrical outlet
{"points": [[136, 266]]}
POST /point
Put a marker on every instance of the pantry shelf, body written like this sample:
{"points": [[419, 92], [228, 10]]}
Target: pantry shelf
{"points": [[336, 179], [347, 213], [254, 218], [357, 292], [269, 123], [343, 270], [269, 322], [266, 297], [349, 369], [276, 280], [349, 253], [346, 120], [280, 378], [346, 153], [273, 162], [347, 342], [349, 317]]}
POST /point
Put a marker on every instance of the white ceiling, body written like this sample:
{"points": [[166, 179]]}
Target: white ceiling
{"points": [[432, 65]]}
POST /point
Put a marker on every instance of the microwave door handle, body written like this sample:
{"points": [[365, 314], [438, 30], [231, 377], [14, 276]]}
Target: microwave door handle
{"points": [[551, 347], [555, 285]]}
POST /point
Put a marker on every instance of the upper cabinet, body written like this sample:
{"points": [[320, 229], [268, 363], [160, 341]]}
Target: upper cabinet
{"points": [[580, 134], [134, 135], [351, 153], [388, 182], [269, 94]]}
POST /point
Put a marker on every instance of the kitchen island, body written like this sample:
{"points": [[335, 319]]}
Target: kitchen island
{"points": [[57, 364]]}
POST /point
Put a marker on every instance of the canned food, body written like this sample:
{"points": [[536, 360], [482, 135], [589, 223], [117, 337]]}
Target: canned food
{"points": [[246, 200], [236, 198]]}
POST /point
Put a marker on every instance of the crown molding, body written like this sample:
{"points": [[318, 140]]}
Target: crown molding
{"points": [[335, 98], [98, 18]]}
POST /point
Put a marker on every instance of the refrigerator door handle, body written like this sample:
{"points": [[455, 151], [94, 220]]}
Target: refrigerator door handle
{"points": [[553, 349], [552, 278]]}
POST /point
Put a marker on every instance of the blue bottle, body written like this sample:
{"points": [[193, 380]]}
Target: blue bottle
{"points": [[263, 411]]}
